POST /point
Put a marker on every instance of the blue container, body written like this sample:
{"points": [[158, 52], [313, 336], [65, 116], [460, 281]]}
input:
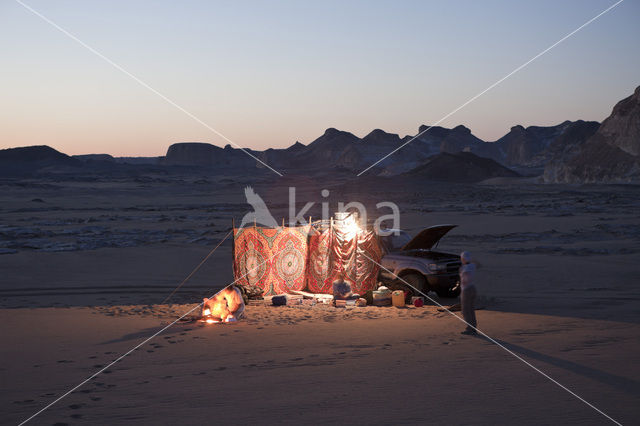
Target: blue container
{"points": [[279, 300]]}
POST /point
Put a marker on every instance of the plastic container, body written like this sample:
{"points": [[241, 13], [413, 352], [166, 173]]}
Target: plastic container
{"points": [[397, 298], [417, 301], [382, 297]]}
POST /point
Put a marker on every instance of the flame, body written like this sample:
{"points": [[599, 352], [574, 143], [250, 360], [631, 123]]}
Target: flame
{"points": [[222, 306]]}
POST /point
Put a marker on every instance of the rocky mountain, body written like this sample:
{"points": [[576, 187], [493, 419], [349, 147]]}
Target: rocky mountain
{"points": [[95, 157], [336, 149], [579, 151], [524, 146], [32, 159], [611, 154], [622, 128], [440, 139], [206, 155], [462, 167]]}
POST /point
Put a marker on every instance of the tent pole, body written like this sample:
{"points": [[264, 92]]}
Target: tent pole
{"points": [[233, 247]]}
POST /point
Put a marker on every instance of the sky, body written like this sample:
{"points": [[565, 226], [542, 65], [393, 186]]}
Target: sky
{"points": [[270, 73]]}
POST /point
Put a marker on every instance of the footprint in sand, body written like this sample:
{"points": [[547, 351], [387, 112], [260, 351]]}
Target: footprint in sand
{"points": [[75, 406]]}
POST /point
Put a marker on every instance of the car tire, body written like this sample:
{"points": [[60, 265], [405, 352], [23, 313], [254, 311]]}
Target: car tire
{"points": [[416, 280]]}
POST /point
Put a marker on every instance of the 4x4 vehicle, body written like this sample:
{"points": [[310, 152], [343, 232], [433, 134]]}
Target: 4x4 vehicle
{"points": [[416, 262]]}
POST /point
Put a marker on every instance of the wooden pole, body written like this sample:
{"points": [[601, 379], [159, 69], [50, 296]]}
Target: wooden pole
{"points": [[233, 248]]}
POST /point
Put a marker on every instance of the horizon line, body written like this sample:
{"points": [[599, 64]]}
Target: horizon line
{"points": [[296, 142]]}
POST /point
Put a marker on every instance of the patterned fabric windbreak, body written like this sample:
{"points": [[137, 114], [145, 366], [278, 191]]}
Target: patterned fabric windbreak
{"points": [[273, 259], [319, 267], [368, 256], [279, 260]]}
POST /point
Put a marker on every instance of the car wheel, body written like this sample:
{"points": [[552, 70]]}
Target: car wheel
{"points": [[416, 281]]}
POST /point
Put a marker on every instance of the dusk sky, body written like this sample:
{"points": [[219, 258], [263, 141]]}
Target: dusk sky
{"points": [[267, 74]]}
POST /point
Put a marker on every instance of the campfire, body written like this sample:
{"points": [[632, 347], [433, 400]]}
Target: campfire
{"points": [[226, 306]]}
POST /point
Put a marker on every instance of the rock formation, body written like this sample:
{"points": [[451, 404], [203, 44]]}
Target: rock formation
{"points": [[609, 155]]}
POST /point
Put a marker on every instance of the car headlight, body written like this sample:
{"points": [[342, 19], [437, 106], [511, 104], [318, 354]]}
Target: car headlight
{"points": [[435, 268]]}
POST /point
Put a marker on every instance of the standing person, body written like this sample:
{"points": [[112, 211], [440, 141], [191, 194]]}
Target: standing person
{"points": [[468, 293]]}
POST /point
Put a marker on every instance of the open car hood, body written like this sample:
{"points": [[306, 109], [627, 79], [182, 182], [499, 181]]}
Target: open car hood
{"points": [[427, 238]]}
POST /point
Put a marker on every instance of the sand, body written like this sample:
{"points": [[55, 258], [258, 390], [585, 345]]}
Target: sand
{"points": [[311, 365], [558, 283]]}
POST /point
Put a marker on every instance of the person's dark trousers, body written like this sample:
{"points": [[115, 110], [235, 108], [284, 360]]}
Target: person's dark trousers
{"points": [[467, 302]]}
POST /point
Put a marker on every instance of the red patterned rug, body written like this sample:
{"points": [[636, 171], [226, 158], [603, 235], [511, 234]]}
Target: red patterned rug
{"points": [[280, 260]]}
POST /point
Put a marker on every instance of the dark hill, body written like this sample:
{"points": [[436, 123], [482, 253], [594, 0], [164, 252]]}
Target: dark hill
{"points": [[459, 167], [31, 159]]}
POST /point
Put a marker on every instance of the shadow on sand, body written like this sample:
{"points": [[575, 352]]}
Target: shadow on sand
{"points": [[623, 384]]}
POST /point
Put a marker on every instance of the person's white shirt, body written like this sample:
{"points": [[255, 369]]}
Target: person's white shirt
{"points": [[467, 275]]}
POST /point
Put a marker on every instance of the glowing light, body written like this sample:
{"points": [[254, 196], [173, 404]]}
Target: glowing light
{"points": [[350, 227], [211, 321], [207, 312]]}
